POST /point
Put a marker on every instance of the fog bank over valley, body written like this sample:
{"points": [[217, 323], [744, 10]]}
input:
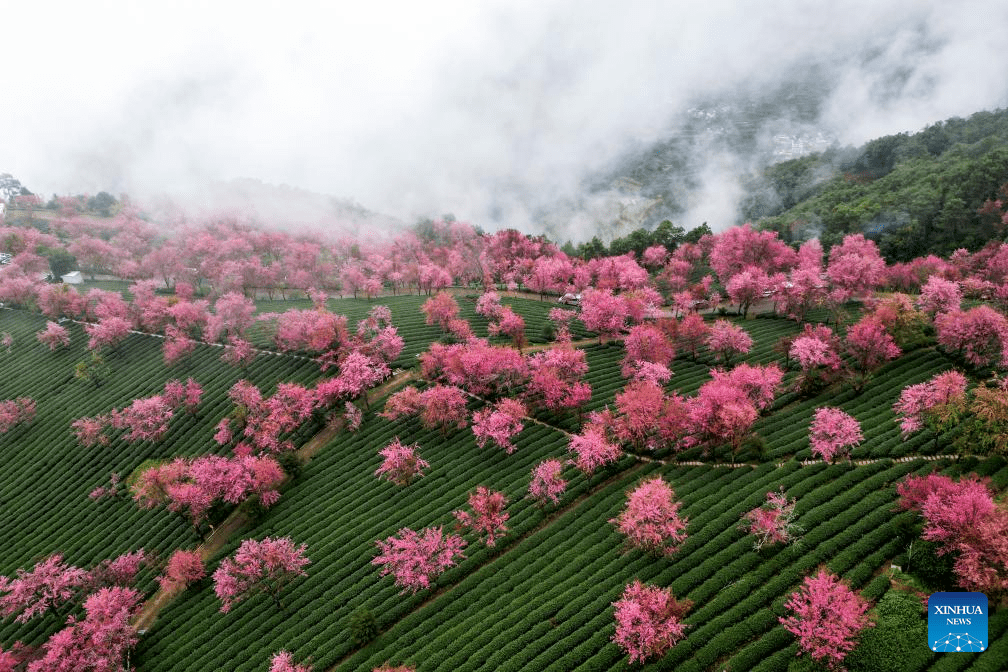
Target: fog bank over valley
{"points": [[570, 118]]}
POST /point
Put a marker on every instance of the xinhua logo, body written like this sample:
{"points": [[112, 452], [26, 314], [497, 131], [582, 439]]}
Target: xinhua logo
{"points": [[957, 622]]}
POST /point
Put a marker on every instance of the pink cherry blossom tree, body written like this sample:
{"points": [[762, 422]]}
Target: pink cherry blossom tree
{"points": [[417, 558], [143, 420], [8, 659], [407, 401], [183, 568], [746, 288], [487, 515], [191, 486], [499, 424], [833, 433], [604, 312], [401, 464], [509, 324], [50, 584], [641, 405], [312, 331], [648, 621], [591, 450], [443, 407], [284, 662], [489, 305], [562, 318], [915, 490], [758, 383], [868, 345], [963, 518], [265, 425], [14, 412], [233, 314], [476, 366], [100, 640], [352, 416], [978, 335], [655, 256], [60, 300], [107, 333], [54, 336], [826, 617], [855, 266], [178, 395], [645, 343], [691, 334], [773, 522], [440, 310], [721, 413], [377, 337], [802, 291], [817, 352], [265, 566], [741, 247], [119, 571], [726, 340], [92, 431], [935, 403], [547, 482], [939, 295], [358, 373], [556, 379], [650, 520]]}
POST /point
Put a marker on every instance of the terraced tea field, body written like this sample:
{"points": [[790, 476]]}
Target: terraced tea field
{"points": [[541, 599]]}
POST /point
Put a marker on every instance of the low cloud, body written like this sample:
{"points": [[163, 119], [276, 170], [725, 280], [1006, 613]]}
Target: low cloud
{"points": [[576, 117]]}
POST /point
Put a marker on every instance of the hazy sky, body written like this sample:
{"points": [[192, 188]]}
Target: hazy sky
{"points": [[490, 110]]}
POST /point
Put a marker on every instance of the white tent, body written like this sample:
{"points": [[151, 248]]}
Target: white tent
{"points": [[73, 278]]}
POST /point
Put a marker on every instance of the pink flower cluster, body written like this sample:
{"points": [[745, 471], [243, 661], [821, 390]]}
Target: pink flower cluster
{"points": [[183, 568], [15, 412], [416, 558], [401, 463], [591, 450], [487, 516], [264, 566], [53, 336], [917, 402], [650, 521], [499, 424], [726, 340], [547, 481], [964, 519], [826, 617], [284, 662], [144, 419], [774, 522], [648, 621], [833, 432], [191, 486]]}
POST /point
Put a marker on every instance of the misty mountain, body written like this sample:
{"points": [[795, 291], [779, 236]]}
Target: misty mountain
{"points": [[696, 173], [913, 193]]}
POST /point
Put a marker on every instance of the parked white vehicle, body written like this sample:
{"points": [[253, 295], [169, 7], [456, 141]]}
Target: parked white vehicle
{"points": [[570, 299]]}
